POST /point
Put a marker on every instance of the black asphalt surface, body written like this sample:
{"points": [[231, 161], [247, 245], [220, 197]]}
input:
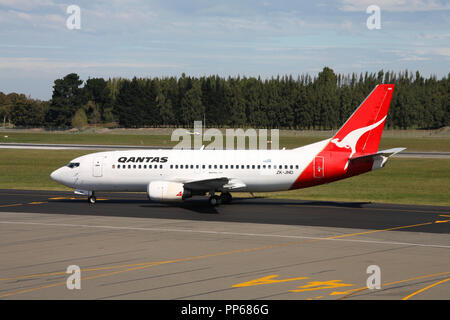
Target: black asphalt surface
{"points": [[357, 215]]}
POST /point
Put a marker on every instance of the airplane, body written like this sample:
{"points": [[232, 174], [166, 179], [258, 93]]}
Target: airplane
{"points": [[175, 175]]}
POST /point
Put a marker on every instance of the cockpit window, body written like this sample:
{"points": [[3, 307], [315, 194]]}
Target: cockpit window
{"points": [[73, 164]]}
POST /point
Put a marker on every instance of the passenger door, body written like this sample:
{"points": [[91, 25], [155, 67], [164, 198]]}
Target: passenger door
{"points": [[97, 167]]}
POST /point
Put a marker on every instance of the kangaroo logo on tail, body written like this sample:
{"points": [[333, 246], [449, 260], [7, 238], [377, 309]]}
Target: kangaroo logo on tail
{"points": [[351, 139]]}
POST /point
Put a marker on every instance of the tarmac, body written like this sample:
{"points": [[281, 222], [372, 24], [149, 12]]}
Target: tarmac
{"points": [[126, 247]]}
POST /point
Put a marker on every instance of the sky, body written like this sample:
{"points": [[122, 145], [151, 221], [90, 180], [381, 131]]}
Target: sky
{"points": [[157, 38]]}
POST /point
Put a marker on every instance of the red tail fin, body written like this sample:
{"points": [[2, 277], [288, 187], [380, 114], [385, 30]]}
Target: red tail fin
{"points": [[362, 131], [359, 136]]}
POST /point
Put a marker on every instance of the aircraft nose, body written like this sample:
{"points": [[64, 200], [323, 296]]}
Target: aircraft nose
{"points": [[56, 175]]}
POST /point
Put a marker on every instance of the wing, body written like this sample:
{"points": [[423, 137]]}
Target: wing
{"points": [[219, 184]]}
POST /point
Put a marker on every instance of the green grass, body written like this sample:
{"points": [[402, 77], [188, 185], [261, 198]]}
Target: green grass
{"points": [[407, 181], [30, 169], [411, 143], [86, 138]]}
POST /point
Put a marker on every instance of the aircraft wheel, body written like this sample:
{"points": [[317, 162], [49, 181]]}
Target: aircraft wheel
{"points": [[214, 200], [226, 197], [92, 199]]}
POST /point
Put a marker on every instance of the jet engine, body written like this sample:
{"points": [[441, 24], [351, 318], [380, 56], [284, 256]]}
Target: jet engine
{"points": [[167, 191]]}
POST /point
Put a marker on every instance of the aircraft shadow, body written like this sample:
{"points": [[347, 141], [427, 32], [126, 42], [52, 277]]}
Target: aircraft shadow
{"points": [[354, 215]]}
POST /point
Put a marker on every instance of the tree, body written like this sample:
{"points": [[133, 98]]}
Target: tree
{"points": [[4, 108], [327, 99], [165, 109], [97, 91], [129, 106], [29, 113], [79, 120], [93, 112], [66, 99], [191, 107]]}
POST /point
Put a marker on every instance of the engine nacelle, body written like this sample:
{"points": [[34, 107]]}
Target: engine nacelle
{"points": [[167, 191]]}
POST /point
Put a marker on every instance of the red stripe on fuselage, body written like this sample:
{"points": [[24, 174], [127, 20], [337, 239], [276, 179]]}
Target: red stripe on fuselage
{"points": [[333, 170]]}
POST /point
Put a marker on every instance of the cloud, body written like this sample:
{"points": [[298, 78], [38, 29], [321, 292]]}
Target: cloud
{"points": [[435, 36], [421, 53], [26, 5], [49, 65], [395, 5]]}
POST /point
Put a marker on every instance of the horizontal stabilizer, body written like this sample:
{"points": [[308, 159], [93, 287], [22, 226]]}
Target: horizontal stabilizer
{"points": [[386, 153], [379, 158]]}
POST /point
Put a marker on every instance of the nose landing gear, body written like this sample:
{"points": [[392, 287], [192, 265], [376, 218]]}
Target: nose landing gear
{"points": [[91, 198]]}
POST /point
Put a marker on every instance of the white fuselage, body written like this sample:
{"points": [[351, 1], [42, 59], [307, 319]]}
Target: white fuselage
{"points": [[133, 170]]}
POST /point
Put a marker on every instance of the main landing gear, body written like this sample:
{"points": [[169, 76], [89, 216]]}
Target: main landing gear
{"points": [[224, 198]]}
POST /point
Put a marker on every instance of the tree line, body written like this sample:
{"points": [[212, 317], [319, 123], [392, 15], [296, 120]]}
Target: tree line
{"points": [[322, 102]]}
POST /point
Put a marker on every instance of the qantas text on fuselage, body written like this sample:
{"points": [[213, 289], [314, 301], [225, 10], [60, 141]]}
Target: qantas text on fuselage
{"points": [[174, 175]]}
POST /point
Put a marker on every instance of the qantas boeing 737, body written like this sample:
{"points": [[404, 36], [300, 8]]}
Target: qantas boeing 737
{"points": [[174, 175]]}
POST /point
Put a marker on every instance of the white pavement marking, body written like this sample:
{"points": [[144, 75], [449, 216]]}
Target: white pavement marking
{"points": [[223, 233]]}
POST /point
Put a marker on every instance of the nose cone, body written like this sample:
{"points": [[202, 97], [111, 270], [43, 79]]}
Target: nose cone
{"points": [[64, 176], [56, 175]]}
